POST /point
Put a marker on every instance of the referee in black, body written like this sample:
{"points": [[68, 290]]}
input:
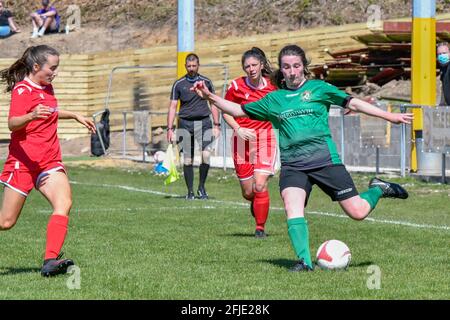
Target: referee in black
{"points": [[194, 123]]}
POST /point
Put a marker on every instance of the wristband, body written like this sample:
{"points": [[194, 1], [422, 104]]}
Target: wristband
{"points": [[217, 124]]}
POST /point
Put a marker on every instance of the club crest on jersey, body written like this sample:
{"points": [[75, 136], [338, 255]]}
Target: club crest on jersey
{"points": [[41, 95], [246, 96], [306, 96]]}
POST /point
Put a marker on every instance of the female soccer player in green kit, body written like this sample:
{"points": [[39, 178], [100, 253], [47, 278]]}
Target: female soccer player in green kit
{"points": [[299, 111]]}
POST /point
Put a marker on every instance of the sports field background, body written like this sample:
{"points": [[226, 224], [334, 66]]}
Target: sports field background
{"points": [[134, 238]]}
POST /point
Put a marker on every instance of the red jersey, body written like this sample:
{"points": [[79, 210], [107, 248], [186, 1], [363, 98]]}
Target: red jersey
{"points": [[241, 91], [37, 143]]}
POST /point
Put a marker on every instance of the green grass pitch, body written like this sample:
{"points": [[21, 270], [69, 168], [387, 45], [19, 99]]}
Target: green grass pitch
{"points": [[134, 238]]}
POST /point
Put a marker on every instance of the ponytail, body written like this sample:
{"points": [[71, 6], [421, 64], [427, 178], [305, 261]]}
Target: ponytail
{"points": [[24, 66], [277, 79]]}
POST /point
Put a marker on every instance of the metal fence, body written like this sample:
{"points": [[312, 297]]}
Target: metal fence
{"points": [[153, 101]]}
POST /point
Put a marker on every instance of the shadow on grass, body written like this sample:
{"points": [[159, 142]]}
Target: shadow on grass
{"points": [[361, 264], [287, 264], [174, 197], [13, 271], [241, 235], [247, 235], [283, 263], [184, 197]]}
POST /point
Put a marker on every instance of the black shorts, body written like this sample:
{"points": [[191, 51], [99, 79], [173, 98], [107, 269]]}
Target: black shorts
{"points": [[200, 130], [334, 180]]}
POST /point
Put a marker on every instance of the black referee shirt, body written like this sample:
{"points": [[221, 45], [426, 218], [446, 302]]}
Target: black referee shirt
{"points": [[192, 107]]}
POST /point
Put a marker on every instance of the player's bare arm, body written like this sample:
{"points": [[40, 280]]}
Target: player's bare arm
{"points": [[88, 123], [359, 105], [39, 112], [226, 106]]}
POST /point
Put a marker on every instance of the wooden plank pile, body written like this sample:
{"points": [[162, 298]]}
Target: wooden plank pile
{"points": [[385, 57]]}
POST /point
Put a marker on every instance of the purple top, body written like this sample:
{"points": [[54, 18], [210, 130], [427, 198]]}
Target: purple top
{"points": [[57, 17]]}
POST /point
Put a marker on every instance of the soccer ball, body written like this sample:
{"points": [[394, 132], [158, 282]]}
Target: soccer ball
{"points": [[333, 255], [159, 156]]}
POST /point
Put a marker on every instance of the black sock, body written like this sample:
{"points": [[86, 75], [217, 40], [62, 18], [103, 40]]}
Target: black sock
{"points": [[189, 177], [204, 168]]}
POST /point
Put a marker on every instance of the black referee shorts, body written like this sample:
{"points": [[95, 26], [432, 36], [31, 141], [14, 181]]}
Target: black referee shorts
{"points": [[189, 131], [334, 180]]}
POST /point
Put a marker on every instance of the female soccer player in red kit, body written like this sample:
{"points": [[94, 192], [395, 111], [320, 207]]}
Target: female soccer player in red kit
{"points": [[34, 158], [254, 143]]}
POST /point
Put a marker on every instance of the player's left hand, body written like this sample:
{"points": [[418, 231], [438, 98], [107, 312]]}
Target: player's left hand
{"points": [[398, 118], [246, 133]]}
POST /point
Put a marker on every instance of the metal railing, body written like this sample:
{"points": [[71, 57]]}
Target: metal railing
{"points": [[403, 108], [125, 112]]}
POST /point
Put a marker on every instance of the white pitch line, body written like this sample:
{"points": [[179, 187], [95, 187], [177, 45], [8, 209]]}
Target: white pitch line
{"points": [[395, 222], [329, 214], [93, 210]]}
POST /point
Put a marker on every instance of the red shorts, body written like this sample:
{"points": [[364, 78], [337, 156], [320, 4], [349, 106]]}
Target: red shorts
{"points": [[19, 178], [257, 155]]}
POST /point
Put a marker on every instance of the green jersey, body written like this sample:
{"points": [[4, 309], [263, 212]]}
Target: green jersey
{"points": [[300, 118]]}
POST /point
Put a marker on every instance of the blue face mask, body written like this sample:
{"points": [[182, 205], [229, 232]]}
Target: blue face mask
{"points": [[443, 58]]}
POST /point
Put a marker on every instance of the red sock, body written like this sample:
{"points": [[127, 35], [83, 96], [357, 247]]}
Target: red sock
{"points": [[261, 205], [56, 234]]}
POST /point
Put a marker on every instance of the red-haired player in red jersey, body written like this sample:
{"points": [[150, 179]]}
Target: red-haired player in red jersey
{"points": [[34, 158], [254, 144]]}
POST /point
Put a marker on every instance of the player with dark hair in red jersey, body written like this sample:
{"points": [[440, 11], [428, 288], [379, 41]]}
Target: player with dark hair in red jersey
{"points": [[254, 144], [34, 158]]}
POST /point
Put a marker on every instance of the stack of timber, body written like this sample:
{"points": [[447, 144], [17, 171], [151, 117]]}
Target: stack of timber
{"points": [[386, 56]]}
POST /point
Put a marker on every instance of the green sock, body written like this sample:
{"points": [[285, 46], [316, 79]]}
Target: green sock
{"points": [[299, 235], [372, 196]]}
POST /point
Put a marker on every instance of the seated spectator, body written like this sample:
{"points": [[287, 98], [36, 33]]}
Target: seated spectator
{"points": [[7, 25], [45, 20]]}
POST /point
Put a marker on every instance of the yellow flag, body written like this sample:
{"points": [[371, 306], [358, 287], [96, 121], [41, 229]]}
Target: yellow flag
{"points": [[170, 165]]}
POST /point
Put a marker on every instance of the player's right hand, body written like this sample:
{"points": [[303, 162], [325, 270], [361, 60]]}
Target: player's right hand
{"points": [[41, 112], [200, 89]]}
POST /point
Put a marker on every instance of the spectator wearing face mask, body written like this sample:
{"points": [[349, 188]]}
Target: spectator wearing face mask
{"points": [[443, 58]]}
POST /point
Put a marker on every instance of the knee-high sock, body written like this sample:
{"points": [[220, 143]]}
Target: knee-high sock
{"points": [[203, 170], [299, 235], [188, 172], [261, 204], [56, 234], [372, 196]]}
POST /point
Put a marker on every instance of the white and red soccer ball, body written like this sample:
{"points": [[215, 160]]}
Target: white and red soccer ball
{"points": [[333, 255], [159, 156]]}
